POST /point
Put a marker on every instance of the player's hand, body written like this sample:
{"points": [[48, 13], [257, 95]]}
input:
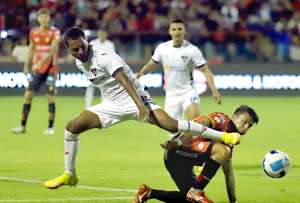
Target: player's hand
{"points": [[217, 97], [144, 113], [26, 70], [231, 138], [36, 66]]}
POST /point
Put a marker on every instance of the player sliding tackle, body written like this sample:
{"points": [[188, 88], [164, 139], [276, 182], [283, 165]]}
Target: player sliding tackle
{"points": [[123, 99], [184, 153]]}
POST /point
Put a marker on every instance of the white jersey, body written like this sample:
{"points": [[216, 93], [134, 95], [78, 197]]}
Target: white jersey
{"points": [[178, 64], [100, 69], [106, 45]]}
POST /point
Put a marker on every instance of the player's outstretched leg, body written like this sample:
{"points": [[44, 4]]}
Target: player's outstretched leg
{"points": [[164, 121], [142, 194], [85, 121]]}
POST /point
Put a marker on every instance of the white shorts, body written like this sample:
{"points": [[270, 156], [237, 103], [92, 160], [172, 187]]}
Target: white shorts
{"points": [[175, 105], [111, 113]]}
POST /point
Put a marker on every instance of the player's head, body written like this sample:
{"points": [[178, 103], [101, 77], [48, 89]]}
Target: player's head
{"points": [[177, 31], [243, 118], [76, 41], [102, 35], [43, 17]]}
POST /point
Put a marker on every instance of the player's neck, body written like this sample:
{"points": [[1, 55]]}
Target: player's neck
{"points": [[177, 44], [42, 28]]}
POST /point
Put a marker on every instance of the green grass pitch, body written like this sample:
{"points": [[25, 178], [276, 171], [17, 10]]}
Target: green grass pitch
{"points": [[113, 162]]}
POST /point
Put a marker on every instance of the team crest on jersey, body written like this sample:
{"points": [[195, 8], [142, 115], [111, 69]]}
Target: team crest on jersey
{"points": [[94, 71], [47, 39], [184, 58], [36, 39]]}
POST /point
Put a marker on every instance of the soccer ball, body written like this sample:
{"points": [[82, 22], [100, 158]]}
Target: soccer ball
{"points": [[276, 163]]}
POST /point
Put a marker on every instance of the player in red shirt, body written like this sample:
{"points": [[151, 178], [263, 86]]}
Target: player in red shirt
{"points": [[182, 153], [42, 58]]}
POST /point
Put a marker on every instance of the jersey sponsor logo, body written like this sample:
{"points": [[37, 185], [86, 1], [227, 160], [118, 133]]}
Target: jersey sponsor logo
{"points": [[187, 154], [94, 71], [184, 58], [217, 119], [200, 146]]}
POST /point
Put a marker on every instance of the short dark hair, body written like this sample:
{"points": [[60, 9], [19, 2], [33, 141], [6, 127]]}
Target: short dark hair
{"points": [[177, 20], [247, 109], [73, 33], [43, 11]]}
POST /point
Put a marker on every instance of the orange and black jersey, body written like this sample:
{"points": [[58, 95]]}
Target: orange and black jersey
{"points": [[217, 121]]}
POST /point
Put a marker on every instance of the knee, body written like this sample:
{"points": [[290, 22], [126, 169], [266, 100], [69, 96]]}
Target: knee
{"points": [[72, 127], [221, 152]]}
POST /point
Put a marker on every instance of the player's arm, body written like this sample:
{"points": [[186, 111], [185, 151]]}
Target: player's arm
{"points": [[230, 182], [211, 84], [120, 75], [29, 59], [149, 67], [53, 50]]}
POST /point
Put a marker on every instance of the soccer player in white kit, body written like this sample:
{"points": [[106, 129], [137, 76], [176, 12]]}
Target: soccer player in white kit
{"points": [[179, 58], [123, 99], [101, 42]]}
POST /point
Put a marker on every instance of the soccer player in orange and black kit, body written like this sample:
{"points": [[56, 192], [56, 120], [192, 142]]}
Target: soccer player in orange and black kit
{"points": [[42, 58], [183, 152]]}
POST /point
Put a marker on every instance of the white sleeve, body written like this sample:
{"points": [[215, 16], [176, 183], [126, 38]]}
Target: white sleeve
{"points": [[113, 62], [113, 47], [157, 54], [197, 58]]}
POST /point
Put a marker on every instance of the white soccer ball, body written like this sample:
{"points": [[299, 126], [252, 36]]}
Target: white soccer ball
{"points": [[276, 163]]}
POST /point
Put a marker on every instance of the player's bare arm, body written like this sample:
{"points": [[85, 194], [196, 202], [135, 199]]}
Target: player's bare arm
{"points": [[149, 67], [211, 84], [230, 182], [52, 52], [28, 62], [129, 87]]}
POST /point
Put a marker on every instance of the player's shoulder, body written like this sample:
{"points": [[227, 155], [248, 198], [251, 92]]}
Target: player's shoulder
{"points": [[34, 30], [94, 41], [190, 45], [165, 45], [54, 29], [219, 117]]}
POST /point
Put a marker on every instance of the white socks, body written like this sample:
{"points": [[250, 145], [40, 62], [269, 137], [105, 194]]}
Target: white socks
{"points": [[198, 129], [71, 149]]}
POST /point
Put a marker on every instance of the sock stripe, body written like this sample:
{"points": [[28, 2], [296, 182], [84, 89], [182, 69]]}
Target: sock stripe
{"points": [[75, 140], [189, 126]]}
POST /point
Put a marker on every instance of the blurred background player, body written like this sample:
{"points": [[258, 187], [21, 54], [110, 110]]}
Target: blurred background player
{"points": [[42, 58], [100, 43], [182, 153], [179, 58]]}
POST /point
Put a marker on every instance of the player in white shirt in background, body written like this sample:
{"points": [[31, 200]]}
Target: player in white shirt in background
{"points": [[123, 99], [179, 58], [101, 42]]}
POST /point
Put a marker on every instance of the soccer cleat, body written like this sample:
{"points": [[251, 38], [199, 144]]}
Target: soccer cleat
{"points": [[49, 131], [64, 179], [197, 196], [231, 138], [143, 194], [18, 130]]}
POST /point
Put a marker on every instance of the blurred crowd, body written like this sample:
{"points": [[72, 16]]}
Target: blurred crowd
{"points": [[229, 30]]}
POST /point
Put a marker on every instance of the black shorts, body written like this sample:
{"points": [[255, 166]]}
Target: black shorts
{"points": [[180, 163], [36, 81]]}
